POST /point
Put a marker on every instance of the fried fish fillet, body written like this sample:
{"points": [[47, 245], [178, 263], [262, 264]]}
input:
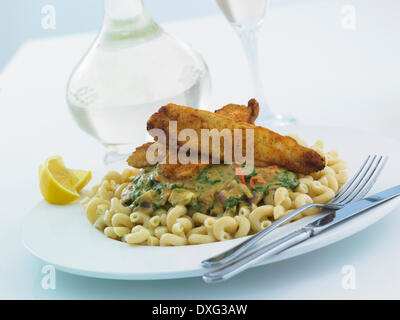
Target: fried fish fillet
{"points": [[241, 113], [177, 171], [269, 147], [138, 158], [181, 171], [184, 171]]}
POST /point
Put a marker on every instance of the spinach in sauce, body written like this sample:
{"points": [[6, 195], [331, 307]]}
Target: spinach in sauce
{"points": [[214, 189]]}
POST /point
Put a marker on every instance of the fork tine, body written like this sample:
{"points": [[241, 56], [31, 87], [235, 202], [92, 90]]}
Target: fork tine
{"points": [[363, 172], [351, 181], [364, 179], [360, 182], [370, 181]]}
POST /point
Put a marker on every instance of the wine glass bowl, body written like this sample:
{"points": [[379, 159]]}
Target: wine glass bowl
{"points": [[240, 12]]}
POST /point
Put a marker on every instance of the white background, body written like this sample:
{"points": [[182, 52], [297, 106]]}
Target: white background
{"points": [[313, 68]]}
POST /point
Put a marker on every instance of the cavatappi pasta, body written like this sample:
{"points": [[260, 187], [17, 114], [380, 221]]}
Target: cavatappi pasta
{"points": [[180, 225]]}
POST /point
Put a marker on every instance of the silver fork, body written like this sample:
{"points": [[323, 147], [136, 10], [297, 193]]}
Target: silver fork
{"points": [[355, 189]]}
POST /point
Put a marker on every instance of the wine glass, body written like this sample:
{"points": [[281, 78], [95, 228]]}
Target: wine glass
{"points": [[247, 17]]}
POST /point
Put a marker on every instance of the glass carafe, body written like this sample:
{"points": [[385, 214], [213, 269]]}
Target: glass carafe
{"points": [[132, 69]]}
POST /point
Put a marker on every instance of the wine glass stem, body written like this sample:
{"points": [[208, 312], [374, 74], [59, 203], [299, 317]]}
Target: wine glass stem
{"points": [[249, 40]]}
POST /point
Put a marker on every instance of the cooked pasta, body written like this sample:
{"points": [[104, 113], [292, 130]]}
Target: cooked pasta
{"points": [[178, 224], [137, 235], [224, 228]]}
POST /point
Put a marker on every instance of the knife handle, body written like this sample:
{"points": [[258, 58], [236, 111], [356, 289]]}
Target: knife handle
{"points": [[231, 269]]}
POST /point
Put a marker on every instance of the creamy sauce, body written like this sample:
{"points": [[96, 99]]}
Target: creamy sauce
{"points": [[214, 190]]}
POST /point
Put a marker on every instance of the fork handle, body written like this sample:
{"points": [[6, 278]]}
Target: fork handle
{"points": [[231, 269], [231, 254]]}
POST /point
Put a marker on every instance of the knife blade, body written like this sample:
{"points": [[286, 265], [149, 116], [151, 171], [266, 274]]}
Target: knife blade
{"points": [[352, 209]]}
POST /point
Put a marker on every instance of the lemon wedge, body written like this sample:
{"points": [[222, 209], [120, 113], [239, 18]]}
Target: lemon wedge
{"points": [[80, 178], [58, 184]]}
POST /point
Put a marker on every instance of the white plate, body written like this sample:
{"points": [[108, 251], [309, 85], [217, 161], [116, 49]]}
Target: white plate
{"points": [[61, 235]]}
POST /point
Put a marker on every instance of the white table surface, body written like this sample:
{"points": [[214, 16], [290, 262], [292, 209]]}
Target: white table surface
{"points": [[313, 69]]}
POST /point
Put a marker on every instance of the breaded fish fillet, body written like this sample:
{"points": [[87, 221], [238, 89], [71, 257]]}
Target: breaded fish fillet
{"points": [[138, 158], [241, 113], [179, 171], [269, 147], [184, 171]]}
